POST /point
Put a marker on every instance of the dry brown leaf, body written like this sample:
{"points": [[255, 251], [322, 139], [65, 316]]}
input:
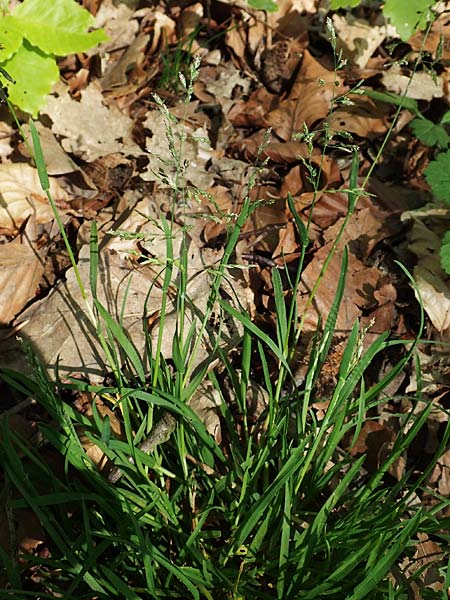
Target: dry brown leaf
{"points": [[432, 283], [188, 25], [118, 23], [223, 84], [309, 101], [195, 151], [116, 78], [363, 118], [206, 402], [22, 196], [419, 85], [364, 230], [293, 18], [235, 39], [252, 112], [90, 129], [59, 330], [84, 405], [435, 39], [163, 30], [357, 38], [422, 569], [21, 269], [57, 162], [359, 288], [25, 530], [6, 133]]}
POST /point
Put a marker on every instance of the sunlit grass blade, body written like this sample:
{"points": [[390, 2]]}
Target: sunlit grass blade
{"points": [[126, 345]]}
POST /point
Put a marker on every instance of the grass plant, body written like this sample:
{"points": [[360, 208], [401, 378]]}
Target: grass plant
{"points": [[278, 509]]}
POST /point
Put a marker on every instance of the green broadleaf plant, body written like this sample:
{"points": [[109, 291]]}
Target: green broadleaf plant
{"points": [[437, 175], [31, 36], [267, 5], [406, 16], [431, 134], [445, 252]]}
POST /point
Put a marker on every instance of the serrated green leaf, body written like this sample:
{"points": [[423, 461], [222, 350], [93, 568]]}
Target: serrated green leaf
{"points": [[35, 74], [10, 38], [59, 27], [335, 4], [407, 15], [438, 176], [446, 117], [445, 253], [267, 5], [429, 133]]}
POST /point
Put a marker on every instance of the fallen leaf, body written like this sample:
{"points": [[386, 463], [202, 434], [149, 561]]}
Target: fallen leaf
{"points": [[419, 86], [433, 285], [21, 196], [363, 118], [118, 23], [21, 269], [90, 128], [309, 100], [206, 403], [357, 38], [359, 288], [58, 328], [177, 157]]}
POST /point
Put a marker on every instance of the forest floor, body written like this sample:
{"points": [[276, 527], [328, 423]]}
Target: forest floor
{"points": [[276, 109]]}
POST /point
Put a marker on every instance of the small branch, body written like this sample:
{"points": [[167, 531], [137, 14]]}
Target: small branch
{"points": [[160, 433]]}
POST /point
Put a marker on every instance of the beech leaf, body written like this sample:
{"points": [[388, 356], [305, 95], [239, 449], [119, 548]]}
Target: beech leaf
{"points": [[59, 27]]}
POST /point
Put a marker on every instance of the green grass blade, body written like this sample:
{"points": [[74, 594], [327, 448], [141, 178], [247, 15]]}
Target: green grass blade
{"points": [[93, 258], [39, 157], [127, 346]]}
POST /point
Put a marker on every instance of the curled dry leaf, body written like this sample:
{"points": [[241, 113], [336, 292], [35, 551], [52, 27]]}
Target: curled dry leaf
{"points": [[6, 133], [84, 404], [206, 402], [363, 118], [432, 284], [116, 78], [22, 196], [57, 162]]}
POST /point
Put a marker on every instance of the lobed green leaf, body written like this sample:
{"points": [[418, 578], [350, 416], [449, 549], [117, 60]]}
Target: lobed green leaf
{"points": [[431, 134], [438, 176]]}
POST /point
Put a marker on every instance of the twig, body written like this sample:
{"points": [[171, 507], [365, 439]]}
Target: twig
{"points": [[160, 433]]}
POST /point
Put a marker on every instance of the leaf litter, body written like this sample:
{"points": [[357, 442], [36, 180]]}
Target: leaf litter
{"points": [[110, 159]]}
